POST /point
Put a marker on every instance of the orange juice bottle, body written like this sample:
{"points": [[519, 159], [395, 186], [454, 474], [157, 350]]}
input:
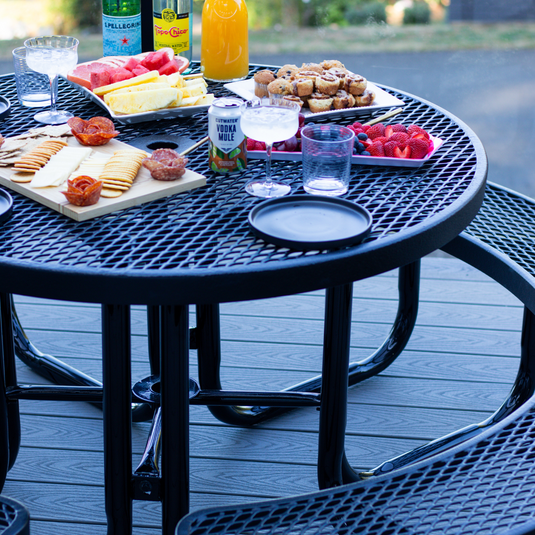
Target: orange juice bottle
{"points": [[224, 40]]}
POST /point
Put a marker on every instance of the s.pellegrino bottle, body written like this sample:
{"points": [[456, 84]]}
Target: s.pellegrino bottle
{"points": [[121, 27], [173, 20]]}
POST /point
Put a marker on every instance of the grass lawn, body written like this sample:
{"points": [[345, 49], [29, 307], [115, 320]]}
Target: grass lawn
{"points": [[357, 39]]}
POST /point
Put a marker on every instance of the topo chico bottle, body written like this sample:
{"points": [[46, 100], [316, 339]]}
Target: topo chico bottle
{"points": [[121, 27], [172, 25]]}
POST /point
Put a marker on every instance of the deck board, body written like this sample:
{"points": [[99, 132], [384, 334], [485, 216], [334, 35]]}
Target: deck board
{"points": [[456, 370]]}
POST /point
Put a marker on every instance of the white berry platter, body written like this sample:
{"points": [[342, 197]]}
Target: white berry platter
{"points": [[356, 158], [245, 89]]}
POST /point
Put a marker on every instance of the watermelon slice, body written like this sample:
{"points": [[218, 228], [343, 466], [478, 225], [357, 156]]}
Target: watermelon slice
{"points": [[100, 78], [131, 64], [140, 70], [121, 74], [169, 68], [155, 60]]}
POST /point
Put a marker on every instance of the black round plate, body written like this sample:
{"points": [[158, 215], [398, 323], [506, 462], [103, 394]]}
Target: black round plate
{"points": [[6, 205], [5, 107], [307, 222]]}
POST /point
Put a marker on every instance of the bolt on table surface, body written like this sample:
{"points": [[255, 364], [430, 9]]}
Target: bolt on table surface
{"points": [[197, 248]]}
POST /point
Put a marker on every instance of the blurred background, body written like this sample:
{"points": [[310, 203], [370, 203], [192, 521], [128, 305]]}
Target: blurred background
{"points": [[475, 58]]}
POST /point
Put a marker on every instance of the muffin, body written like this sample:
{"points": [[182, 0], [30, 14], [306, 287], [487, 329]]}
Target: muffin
{"points": [[261, 81], [280, 88], [287, 71], [316, 67]]}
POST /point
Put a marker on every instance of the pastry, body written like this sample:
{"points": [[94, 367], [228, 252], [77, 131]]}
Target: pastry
{"points": [[303, 87], [355, 84], [331, 64], [343, 100], [365, 99], [328, 84], [318, 69], [292, 98], [280, 88], [340, 74], [318, 102], [287, 71], [261, 81]]}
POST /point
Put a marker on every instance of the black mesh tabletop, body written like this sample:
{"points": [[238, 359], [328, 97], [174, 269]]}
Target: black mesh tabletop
{"points": [[197, 246]]}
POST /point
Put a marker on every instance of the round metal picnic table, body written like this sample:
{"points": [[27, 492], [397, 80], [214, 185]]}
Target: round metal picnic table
{"points": [[197, 248]]}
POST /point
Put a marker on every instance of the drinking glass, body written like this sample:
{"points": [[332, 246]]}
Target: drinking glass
{"points": [[270, 121], [52, 55]]}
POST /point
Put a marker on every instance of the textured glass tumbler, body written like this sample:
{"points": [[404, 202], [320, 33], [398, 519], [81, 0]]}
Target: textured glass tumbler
{"points": [[33, 88], [327, 151]]}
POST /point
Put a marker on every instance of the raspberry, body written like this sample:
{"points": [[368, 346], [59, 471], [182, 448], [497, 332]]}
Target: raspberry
{"points": [[400, 137], [377, 130], [376, 149], [251, 144], [419, 148], [389, 147], [357, 125], [365, 128]]}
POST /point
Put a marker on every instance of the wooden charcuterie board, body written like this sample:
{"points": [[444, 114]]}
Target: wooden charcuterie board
{"points": [[144, 189]]}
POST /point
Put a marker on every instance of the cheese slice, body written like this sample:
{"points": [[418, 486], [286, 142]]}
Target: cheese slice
{"points": [[60, 166], [92, 166]]}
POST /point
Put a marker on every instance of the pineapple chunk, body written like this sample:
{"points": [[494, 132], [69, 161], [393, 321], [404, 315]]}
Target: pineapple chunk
{"points": [[172, 80], [205, 99], [193, 91], [195, 81], [141, 101], [141, 79], [143, 87], [189, 101]]}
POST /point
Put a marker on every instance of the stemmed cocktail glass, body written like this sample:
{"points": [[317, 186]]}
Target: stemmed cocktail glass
{"points": [[270, 121], [52, 55]]}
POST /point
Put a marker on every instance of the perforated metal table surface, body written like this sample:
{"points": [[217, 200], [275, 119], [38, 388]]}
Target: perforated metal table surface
{"points": [[197, 248]]}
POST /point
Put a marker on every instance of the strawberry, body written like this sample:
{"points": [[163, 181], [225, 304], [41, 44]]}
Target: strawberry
{"points": [[415, 129], [251, 144], [365, 128], [377, 130], [419, 148], [389, 148], [260, 145], [380, 139], [402, 153], [421, 135], [376, 149], [393, 128], [400, 137]]}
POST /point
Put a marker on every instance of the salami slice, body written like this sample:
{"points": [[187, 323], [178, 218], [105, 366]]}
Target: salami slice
{"points": [[83, 190], [97, 131], [165, 164]]}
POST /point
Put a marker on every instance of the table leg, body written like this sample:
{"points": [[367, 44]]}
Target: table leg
{"points": [[174, 392], [116, 378], [10, 376], [333, 411], [209, 352]]}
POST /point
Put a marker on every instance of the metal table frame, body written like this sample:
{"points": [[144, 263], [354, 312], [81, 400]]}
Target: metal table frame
{"points": [[130, 258]]}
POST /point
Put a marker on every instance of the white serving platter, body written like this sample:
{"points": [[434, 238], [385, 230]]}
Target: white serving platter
{"points": [[245, 89], [132, 118], [356, 159]]}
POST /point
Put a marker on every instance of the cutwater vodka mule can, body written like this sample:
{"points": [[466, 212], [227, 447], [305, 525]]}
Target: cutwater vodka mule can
{"points": [[228, 147]]}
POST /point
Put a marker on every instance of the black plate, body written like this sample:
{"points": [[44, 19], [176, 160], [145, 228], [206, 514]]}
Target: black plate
{"points": [[5, 107], [6, 204], [307, 222]]}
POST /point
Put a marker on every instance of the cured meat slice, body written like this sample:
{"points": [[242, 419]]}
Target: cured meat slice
{"points": [[83, 190], [165, 164], [97, 131]]}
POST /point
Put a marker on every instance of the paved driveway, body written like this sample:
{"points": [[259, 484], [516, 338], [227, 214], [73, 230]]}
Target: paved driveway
{"points": [[492, 91]]}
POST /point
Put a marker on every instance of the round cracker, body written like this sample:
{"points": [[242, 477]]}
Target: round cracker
{"points": [[110, 193], [22, 177]]}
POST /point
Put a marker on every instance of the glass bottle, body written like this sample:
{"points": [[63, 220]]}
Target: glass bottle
{"points": [[121, 27], [173, 20], [224, 40]]}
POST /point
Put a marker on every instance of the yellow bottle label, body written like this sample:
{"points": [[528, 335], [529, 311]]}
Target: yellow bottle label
{"points": [[171, 30]]}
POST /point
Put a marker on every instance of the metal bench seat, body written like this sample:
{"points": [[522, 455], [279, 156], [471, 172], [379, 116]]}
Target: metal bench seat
{"points": [[14, 517], [480, 479]]}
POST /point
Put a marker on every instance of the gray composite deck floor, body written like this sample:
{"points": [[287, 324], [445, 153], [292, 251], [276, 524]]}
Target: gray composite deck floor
{"points": [[456, 370]]}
